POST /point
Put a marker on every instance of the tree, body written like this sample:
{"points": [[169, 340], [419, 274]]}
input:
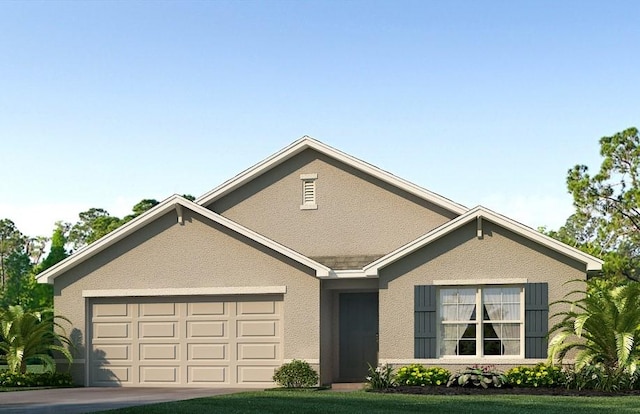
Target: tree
{"points": [[57, 252], [20, 281], [29, 336], [141, 207], [97, 222], [607, 217], [35, 247], [93, 224], [12, 241], [41, 294]]}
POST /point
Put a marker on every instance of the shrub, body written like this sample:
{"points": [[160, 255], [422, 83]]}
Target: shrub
{"points": [[598, 377], [540, 375], [380, 377], [33, 379], [417, 374], [477, 376], [629, 381], [588, 377], [296, 374]]}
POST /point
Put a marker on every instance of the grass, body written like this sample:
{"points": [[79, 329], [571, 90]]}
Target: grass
{"points": [[370, 403]]}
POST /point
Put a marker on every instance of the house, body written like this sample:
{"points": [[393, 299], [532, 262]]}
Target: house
{"points": [[310, 254]]}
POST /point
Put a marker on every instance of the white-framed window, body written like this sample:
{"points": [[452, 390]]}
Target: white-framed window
{"points": [[481, 321], [309, 201]]}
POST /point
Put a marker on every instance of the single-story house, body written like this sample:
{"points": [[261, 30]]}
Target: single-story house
{"points": [[311, 254]]}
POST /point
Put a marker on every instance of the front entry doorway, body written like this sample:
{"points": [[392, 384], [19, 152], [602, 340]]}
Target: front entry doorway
{"points": [[358, 335]]}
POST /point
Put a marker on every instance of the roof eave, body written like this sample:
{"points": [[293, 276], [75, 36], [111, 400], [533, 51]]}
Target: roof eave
{"points": [[94, 248], [162, 208], [307, 142], [592, 263]]}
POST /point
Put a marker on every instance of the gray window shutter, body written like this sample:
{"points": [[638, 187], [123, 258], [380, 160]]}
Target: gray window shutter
{"points": [[536, 319], [425, 328]]}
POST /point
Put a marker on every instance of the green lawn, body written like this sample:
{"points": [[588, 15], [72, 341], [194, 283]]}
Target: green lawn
{"points": [[370, 403]]}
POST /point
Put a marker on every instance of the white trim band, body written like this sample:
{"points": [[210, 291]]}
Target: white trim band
{"points": [[479, 282], [349, 274], [309, 361], [464, 361], [207, 291]]}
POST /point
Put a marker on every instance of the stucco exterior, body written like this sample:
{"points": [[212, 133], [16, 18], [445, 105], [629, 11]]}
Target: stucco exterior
{"points": [[352, 207], [354, 262], [462, 256], [197, 254]]}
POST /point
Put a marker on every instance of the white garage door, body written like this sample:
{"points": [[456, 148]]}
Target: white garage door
{"points": [[204, 341]]}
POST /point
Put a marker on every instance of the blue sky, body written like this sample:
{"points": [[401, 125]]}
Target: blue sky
{"points": [[104, 103]]}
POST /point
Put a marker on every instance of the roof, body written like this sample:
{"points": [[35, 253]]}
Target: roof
{"points": [[592, 263], [309, 143], [346, 262], [323, 266], [174, 202]]}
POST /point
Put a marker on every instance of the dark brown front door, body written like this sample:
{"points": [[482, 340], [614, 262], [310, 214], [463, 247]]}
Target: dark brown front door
{"points": [[358, 335]]}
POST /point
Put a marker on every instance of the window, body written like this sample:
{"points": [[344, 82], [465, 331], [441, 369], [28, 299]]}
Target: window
{"points": [[481, 321], [431, 340], [309, 192]]}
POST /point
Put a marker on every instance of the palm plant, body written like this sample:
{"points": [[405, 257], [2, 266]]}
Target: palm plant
{"points": [[29, 336], [602, 327]]}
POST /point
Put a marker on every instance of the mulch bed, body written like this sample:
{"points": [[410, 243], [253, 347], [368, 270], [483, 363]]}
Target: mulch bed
{"points": [[442, 390]]}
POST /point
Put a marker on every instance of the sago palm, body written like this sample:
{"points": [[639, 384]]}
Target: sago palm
{"points": [[29, 336], [602, 327]]}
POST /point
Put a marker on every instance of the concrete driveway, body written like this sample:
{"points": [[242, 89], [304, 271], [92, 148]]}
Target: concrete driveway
{"points": [[90, 399]]}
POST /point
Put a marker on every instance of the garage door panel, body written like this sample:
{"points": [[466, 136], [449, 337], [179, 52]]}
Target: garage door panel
{"points": [[157, 309], [207, 329], [207, 309], [120, 352], [110, 310], [212, 352], [111, 375], [112, 330], [256, 374], [208, 375], [157, 330], [251, 328], [155, 374], [252, 351], [220, 341], [159, 352], [253, 308]]}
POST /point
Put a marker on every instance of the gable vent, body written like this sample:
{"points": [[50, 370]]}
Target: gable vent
{"points": [[309, 191]]}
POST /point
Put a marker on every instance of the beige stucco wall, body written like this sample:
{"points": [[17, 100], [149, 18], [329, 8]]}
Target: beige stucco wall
{"points": [[460, 255], [200, 253], [357, 214]]}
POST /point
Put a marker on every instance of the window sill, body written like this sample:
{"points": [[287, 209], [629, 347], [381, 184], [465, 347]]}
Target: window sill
{"points": [[506, 360], [309, 207]]}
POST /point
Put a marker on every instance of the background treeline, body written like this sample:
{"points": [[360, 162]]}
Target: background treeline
{"points": [[606, 224], [22, 257]]}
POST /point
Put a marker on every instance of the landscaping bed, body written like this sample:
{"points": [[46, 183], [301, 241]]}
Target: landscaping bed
{"points": [[551, 391], [541, 380]]}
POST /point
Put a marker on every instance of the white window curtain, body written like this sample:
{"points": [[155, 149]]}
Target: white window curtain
{"points": [[457, 306], [503, 304]]}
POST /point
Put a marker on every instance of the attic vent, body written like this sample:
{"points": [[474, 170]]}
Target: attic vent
{"points": [[308, 191]]}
